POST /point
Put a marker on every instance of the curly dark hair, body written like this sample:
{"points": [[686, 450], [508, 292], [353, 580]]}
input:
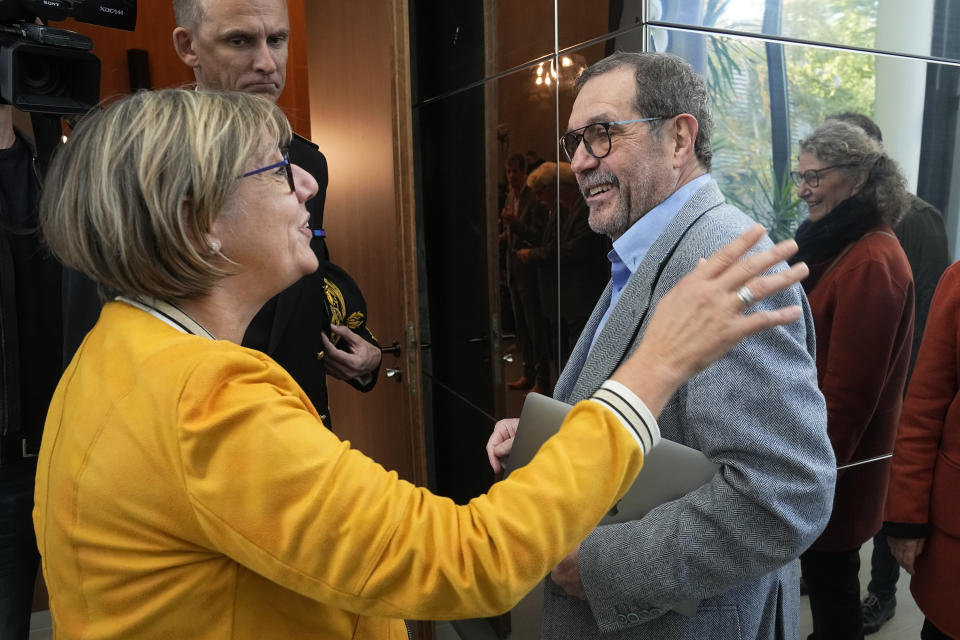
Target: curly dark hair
{"points": [[839, 143]]}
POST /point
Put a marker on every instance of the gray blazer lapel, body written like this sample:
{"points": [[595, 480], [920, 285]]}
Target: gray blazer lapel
{"points": [[619, 334], [570, 373]]}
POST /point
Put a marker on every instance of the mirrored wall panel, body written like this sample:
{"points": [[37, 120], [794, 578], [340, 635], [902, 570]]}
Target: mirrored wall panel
{"points": [[911, 28], [457, 44], [484, 262]]}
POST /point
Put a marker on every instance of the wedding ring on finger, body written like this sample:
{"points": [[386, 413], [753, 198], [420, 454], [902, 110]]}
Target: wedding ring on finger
{"points": [[746, 297]]}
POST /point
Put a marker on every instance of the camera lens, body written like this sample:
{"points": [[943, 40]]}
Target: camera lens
{"points": [[40, 77], [51, 79]]}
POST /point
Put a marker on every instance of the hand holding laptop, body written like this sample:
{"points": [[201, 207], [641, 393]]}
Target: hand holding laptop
{"points": [[500, 444]]}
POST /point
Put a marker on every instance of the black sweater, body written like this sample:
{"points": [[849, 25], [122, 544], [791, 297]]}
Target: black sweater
{"points": [[30, 308]]}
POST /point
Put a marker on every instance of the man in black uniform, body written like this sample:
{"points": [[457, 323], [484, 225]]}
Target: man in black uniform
{"points": [[242, 45]]}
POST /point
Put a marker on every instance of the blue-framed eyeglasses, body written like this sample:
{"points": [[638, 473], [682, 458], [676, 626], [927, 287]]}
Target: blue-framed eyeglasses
{"points": [[285, 163], [595, 137]]}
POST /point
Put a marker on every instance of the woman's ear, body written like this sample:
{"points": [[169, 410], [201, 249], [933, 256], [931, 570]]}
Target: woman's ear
{"points": [[203, 243], [858, 181]]}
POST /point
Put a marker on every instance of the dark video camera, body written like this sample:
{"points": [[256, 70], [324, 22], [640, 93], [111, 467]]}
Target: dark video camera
{"points": [[51, 71]]}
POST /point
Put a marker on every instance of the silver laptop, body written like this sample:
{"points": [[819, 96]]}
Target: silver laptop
{"points": [[670, 471]]}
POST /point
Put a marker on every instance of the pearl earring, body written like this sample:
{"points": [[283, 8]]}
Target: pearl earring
{"points": [[214, 246]]}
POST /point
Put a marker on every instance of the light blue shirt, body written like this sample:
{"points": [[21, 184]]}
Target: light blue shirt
{"points": [[630, 248]]}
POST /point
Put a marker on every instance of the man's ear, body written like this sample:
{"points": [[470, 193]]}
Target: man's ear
{"points": [[184, 46], [683, 136]]}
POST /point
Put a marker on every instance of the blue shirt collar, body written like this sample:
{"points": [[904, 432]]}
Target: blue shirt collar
{"points": [[632, 246]]}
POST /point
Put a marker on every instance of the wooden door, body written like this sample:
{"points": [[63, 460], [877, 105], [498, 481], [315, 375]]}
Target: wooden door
{"points": [[360, 117]]}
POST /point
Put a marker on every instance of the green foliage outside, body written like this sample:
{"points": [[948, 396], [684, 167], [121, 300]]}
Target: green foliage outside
{"points": [[823, 82], [820, 82]]}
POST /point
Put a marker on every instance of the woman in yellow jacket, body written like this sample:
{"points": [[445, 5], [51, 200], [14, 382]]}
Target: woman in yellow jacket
{"points": [[186, 487]]}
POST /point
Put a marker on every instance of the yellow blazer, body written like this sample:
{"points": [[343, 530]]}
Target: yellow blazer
{"points": [[187, 489]]}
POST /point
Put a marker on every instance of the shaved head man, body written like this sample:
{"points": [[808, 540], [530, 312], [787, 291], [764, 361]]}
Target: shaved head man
{"points": [[242, 45], [234, 45]]}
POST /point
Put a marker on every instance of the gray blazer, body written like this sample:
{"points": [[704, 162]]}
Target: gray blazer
{"points": [[757, 412]]}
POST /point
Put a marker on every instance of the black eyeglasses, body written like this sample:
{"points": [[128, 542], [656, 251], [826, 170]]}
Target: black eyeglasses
{"points": [[812, 176], [287, 171], [595, 137]]}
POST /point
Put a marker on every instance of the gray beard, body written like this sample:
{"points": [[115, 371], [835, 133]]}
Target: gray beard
{"points": [[616, 226], [627, 212]]}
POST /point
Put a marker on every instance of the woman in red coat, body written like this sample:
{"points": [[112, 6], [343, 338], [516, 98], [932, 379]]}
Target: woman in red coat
{"points": [[923, 519], [861, 294]]}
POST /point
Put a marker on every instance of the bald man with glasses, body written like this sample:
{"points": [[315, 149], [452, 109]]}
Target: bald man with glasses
{"points": [[639, 144]]}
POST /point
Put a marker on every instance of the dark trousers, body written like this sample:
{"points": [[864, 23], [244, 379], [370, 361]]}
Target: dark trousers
{"points": [[930, 632], [18, 548], [532, 334], [884, 570], [833, 584]]}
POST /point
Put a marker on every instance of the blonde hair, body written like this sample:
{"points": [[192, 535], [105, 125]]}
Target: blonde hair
{"points": [[130, 197], [546, 175], [849, 147]]}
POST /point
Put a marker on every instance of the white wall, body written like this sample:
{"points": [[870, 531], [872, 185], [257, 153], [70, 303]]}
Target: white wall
{"points": [[900, 83]]}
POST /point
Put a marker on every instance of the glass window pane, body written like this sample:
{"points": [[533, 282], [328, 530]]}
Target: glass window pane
{"points": [[900, 27]]}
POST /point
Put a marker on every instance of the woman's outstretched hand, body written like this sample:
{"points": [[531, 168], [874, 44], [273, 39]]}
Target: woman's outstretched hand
{"points": [[706, 314]]}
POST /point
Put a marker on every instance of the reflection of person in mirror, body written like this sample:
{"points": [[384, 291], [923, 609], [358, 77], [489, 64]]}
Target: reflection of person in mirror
{"points": [[862, 295], [581, 254], [533, 160], [639, 144], [186, 487], [242, 45], [923, 236], [523, 219]]}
